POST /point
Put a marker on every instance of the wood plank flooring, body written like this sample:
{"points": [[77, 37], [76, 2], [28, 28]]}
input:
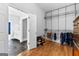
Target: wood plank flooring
{"points": [[76, 52], [49, 49]]}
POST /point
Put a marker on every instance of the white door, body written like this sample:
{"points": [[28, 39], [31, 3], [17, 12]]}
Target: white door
{"points": [[32, 32]]}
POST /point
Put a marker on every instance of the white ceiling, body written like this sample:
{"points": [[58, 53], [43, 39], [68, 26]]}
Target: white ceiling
{"points": [[51, 6], [16, 12]]}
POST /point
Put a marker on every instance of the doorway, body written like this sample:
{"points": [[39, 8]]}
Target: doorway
{"points": [[22, 31], [17, 42]]}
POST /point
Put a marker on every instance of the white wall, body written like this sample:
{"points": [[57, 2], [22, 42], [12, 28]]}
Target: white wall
{"points": [[3, 28], [16, 31], [34, 9]]}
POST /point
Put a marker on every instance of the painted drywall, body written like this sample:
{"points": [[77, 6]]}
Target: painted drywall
{"points": [[3, 28], [34, 9], [15, 27]]}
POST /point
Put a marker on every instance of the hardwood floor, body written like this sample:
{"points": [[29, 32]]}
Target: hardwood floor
{"points": [[76, 52], [49, 49]]}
